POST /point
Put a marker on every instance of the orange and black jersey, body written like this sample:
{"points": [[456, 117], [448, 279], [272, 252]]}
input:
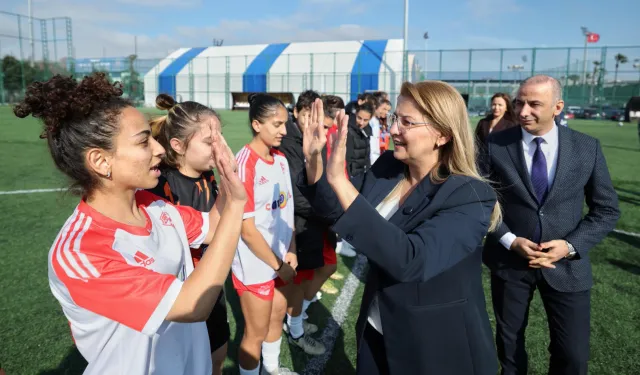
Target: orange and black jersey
{"points": [[199, 193]]}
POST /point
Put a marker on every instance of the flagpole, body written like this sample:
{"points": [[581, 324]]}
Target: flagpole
{"points": [[586, 33]]}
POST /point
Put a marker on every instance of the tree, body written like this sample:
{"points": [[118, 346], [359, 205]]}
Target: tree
{"points": [[17, 76], [131, 82], [620, 59], [574, 78]]}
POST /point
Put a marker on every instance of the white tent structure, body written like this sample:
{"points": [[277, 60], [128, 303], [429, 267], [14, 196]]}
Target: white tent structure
{"points": [[210, 75]]}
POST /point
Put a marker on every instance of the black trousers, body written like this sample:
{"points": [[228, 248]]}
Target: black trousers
{"points": [[568, 316], [372, 356]]}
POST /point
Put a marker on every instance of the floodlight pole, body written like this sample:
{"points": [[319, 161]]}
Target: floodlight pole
{"points": [[426, 38], [33, 48], [405, 69]]}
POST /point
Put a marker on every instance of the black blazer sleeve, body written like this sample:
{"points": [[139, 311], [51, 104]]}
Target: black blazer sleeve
{"points": [[322, 197], [485, 167], [301, 205], [434, 246], [603, 214]]}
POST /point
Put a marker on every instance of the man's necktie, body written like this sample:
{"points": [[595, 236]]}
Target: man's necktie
{"points": [[540, 181]]}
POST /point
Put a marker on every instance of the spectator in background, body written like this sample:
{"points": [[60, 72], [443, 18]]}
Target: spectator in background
{"points": [[351, 107], [501, 117], [384, 115], [385, 137], [561, 119], [377, 121], [382, 107], [358, 145]]}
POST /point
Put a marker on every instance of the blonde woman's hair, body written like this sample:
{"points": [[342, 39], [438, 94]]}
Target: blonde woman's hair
{"points": [[443, 105]]}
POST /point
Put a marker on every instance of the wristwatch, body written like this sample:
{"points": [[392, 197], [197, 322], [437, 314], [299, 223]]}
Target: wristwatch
{"points": [[572, 250]]}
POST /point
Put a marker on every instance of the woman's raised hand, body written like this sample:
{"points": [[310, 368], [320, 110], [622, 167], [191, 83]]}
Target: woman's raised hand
{"points": [[336, 162], [315, 135], [231, 188]]}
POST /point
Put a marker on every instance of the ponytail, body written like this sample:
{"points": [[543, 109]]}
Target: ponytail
{"points": [[182, 121]]}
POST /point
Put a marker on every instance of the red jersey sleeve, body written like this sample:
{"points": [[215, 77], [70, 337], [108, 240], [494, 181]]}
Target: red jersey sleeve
{"points": [[247, 172], [94, 276], [196, 223]]}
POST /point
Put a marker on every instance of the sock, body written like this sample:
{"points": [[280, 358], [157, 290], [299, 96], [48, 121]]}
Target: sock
{"points": [[305, 305], [255, 371], [295, 326], [271, 355]]}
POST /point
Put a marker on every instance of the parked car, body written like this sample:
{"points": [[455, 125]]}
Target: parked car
{"points": [[613, 114], [572, 111], [589, 113]]}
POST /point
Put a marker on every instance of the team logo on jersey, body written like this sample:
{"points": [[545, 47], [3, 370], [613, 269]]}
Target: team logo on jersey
{"points": [[281, 202], [165, 218], [143, 259]]}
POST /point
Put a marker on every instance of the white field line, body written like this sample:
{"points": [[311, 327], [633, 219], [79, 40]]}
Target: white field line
{"points": [[338, 315], [631, 234], [33, 191]]}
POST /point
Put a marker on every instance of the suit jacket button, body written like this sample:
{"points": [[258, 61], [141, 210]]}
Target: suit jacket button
{"points": [[349, 238]]}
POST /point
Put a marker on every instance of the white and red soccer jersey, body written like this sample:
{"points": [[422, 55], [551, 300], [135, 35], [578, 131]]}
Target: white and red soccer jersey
{"points": [[270, 203], [116, 283]]}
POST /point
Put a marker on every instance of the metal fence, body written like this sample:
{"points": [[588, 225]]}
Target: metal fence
{"points": [[596, 76]]}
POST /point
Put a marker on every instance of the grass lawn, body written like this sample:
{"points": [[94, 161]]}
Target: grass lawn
{"points": [[34, 334]]}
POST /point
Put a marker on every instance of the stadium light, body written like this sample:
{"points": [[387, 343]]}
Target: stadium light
{"points": [[426, 38], [33, 48]]}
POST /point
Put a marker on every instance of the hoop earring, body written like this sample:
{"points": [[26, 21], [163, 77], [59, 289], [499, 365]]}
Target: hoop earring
{"points": [[109, 174]]}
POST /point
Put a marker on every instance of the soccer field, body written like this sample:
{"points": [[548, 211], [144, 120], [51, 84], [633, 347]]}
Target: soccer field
{"points": [[35, 337]]}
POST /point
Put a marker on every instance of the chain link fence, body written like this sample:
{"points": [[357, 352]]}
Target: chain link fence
{"points": [[596, 76]]}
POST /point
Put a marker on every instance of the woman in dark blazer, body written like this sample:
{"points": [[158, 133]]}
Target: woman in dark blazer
{"points": [[502, 117], [418, 215]]}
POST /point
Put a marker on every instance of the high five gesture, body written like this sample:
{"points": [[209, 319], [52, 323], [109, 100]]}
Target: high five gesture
{"points": [[337, 159], [315, 135]]}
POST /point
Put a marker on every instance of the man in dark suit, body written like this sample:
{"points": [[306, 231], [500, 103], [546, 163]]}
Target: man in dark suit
{"points": [[544, 174]]}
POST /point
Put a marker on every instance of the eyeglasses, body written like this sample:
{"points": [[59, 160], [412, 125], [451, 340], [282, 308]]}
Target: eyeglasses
{"points": [[404, 124]]}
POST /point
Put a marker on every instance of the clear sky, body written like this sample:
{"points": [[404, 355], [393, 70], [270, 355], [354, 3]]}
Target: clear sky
{"points": [[108, 27]]}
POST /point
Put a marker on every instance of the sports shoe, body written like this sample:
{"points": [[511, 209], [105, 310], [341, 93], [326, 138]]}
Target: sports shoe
{"points": [[337, 276], [309, 328], [345, 250], [280, 371], [307, 343], [329, 288]]}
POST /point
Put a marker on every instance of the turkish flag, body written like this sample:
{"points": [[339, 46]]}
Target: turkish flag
{"points": [[593, 38]]}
